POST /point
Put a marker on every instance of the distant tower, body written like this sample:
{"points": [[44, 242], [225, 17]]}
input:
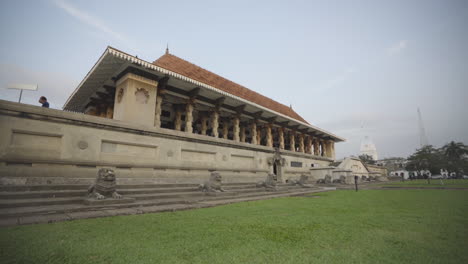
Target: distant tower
{"points": [[368, 148], [422, 132]]}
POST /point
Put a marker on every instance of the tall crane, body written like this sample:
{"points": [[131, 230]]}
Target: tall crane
{"points": [[422, 132]]}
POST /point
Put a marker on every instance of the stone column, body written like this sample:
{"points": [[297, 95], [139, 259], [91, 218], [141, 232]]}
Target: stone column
{"points": [[332, 149], [215, 123], [158, 110], [204, 124], [253, 132], [189, 117], [178, 119], [103, 110], [110, 111], [269, 136], [292, 141], [281, 137], [259, 135], [316, 147], [301, 142], [309, 145], [242, 133], [322, 147], [235, 129], [225, 129]]}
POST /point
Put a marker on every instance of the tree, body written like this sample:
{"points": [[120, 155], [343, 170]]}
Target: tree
{"points": [[455, 157], [425, 158], [367, 159]]}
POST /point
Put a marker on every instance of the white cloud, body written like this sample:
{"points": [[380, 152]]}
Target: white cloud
{"points": [[397, 47], [88, 19]]}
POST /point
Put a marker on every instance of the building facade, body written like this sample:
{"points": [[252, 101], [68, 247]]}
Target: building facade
{"points": [[169, 121]]}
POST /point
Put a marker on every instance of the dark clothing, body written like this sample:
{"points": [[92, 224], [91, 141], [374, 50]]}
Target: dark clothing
{"points": [[45, 104]]}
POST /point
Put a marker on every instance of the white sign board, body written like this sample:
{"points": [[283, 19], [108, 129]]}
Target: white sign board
{"points": [[22, 86]]}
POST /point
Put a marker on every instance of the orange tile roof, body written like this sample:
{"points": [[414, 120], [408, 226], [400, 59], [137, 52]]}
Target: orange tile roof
{"points": [[190, 70]]}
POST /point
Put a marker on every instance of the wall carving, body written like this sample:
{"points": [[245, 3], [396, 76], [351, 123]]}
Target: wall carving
{"points": [[82, 144], [120, 95], [142, 95]]}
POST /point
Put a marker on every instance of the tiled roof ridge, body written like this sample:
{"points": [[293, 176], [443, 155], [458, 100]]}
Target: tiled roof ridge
{"points": [[227, 86]]}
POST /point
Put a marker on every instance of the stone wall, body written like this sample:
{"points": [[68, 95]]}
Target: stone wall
{"points": [[47, 146], [377, 170]]}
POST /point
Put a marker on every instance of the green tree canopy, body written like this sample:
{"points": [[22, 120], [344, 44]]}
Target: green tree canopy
{"points": [[367, 159]]}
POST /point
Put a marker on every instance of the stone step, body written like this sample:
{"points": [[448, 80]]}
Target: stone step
{"points": [[42, 194], [52, 193], [81, 212], [77, 206], [45, 187], [59, 187], [8, 203]]}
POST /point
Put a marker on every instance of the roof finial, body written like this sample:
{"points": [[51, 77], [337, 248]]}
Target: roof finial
{"points": [[167, 48]]}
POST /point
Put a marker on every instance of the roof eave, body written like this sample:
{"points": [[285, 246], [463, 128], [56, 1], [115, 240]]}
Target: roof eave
{"points": [[133, 59]]}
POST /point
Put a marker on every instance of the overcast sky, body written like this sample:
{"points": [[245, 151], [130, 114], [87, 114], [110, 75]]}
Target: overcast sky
{"points": [[354, 68]]}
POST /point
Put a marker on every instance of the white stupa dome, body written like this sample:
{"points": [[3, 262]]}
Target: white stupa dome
{"points": [[368, 147]]}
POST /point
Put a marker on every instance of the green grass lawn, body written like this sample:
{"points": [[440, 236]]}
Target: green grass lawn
{"points": [[371, 226], [451, 183]]}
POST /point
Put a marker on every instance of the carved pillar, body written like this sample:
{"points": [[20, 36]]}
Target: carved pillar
{"points": [[204, 124], [225, 129], [259, 135], [242, 133], [178, 119], [253, 132], [215, 123], [309, 145], [189, 117], [332, 149], [103, 110], [158, 110], [110, 111], [322, 147], [235, 129], [292, 141], [269, 136], [301, 142], [316, 147], [281, 137]]}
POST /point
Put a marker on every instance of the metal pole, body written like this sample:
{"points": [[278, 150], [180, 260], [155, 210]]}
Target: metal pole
{"points": [[21, 93], [355, 182]]}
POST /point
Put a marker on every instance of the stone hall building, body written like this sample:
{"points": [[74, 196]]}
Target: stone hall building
{"points": [[167, 121]]}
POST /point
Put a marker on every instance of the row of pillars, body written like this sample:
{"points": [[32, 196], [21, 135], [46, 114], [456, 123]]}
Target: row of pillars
{"points": [[306, 143]]}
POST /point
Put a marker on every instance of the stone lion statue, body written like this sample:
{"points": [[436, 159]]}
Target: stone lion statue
{"points": [[341, 180], [326, 180], [213, 184], [269, 184], [105, 185], [301, 182]]}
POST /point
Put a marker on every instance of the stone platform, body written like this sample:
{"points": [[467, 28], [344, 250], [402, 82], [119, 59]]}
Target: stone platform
{"points": [[21, 205]]}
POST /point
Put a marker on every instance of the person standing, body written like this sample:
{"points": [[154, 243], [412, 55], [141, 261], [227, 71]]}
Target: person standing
{"points": [[43, 101]]}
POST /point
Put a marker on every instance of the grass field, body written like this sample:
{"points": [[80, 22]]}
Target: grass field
{"points": [[371, 226], [448, 183]]}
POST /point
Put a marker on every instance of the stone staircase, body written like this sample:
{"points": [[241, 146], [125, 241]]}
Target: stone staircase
{"points": [[22, 204]]}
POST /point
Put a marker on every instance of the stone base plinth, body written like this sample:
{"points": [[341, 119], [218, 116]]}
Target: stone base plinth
{"points": [[92, 201]]}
